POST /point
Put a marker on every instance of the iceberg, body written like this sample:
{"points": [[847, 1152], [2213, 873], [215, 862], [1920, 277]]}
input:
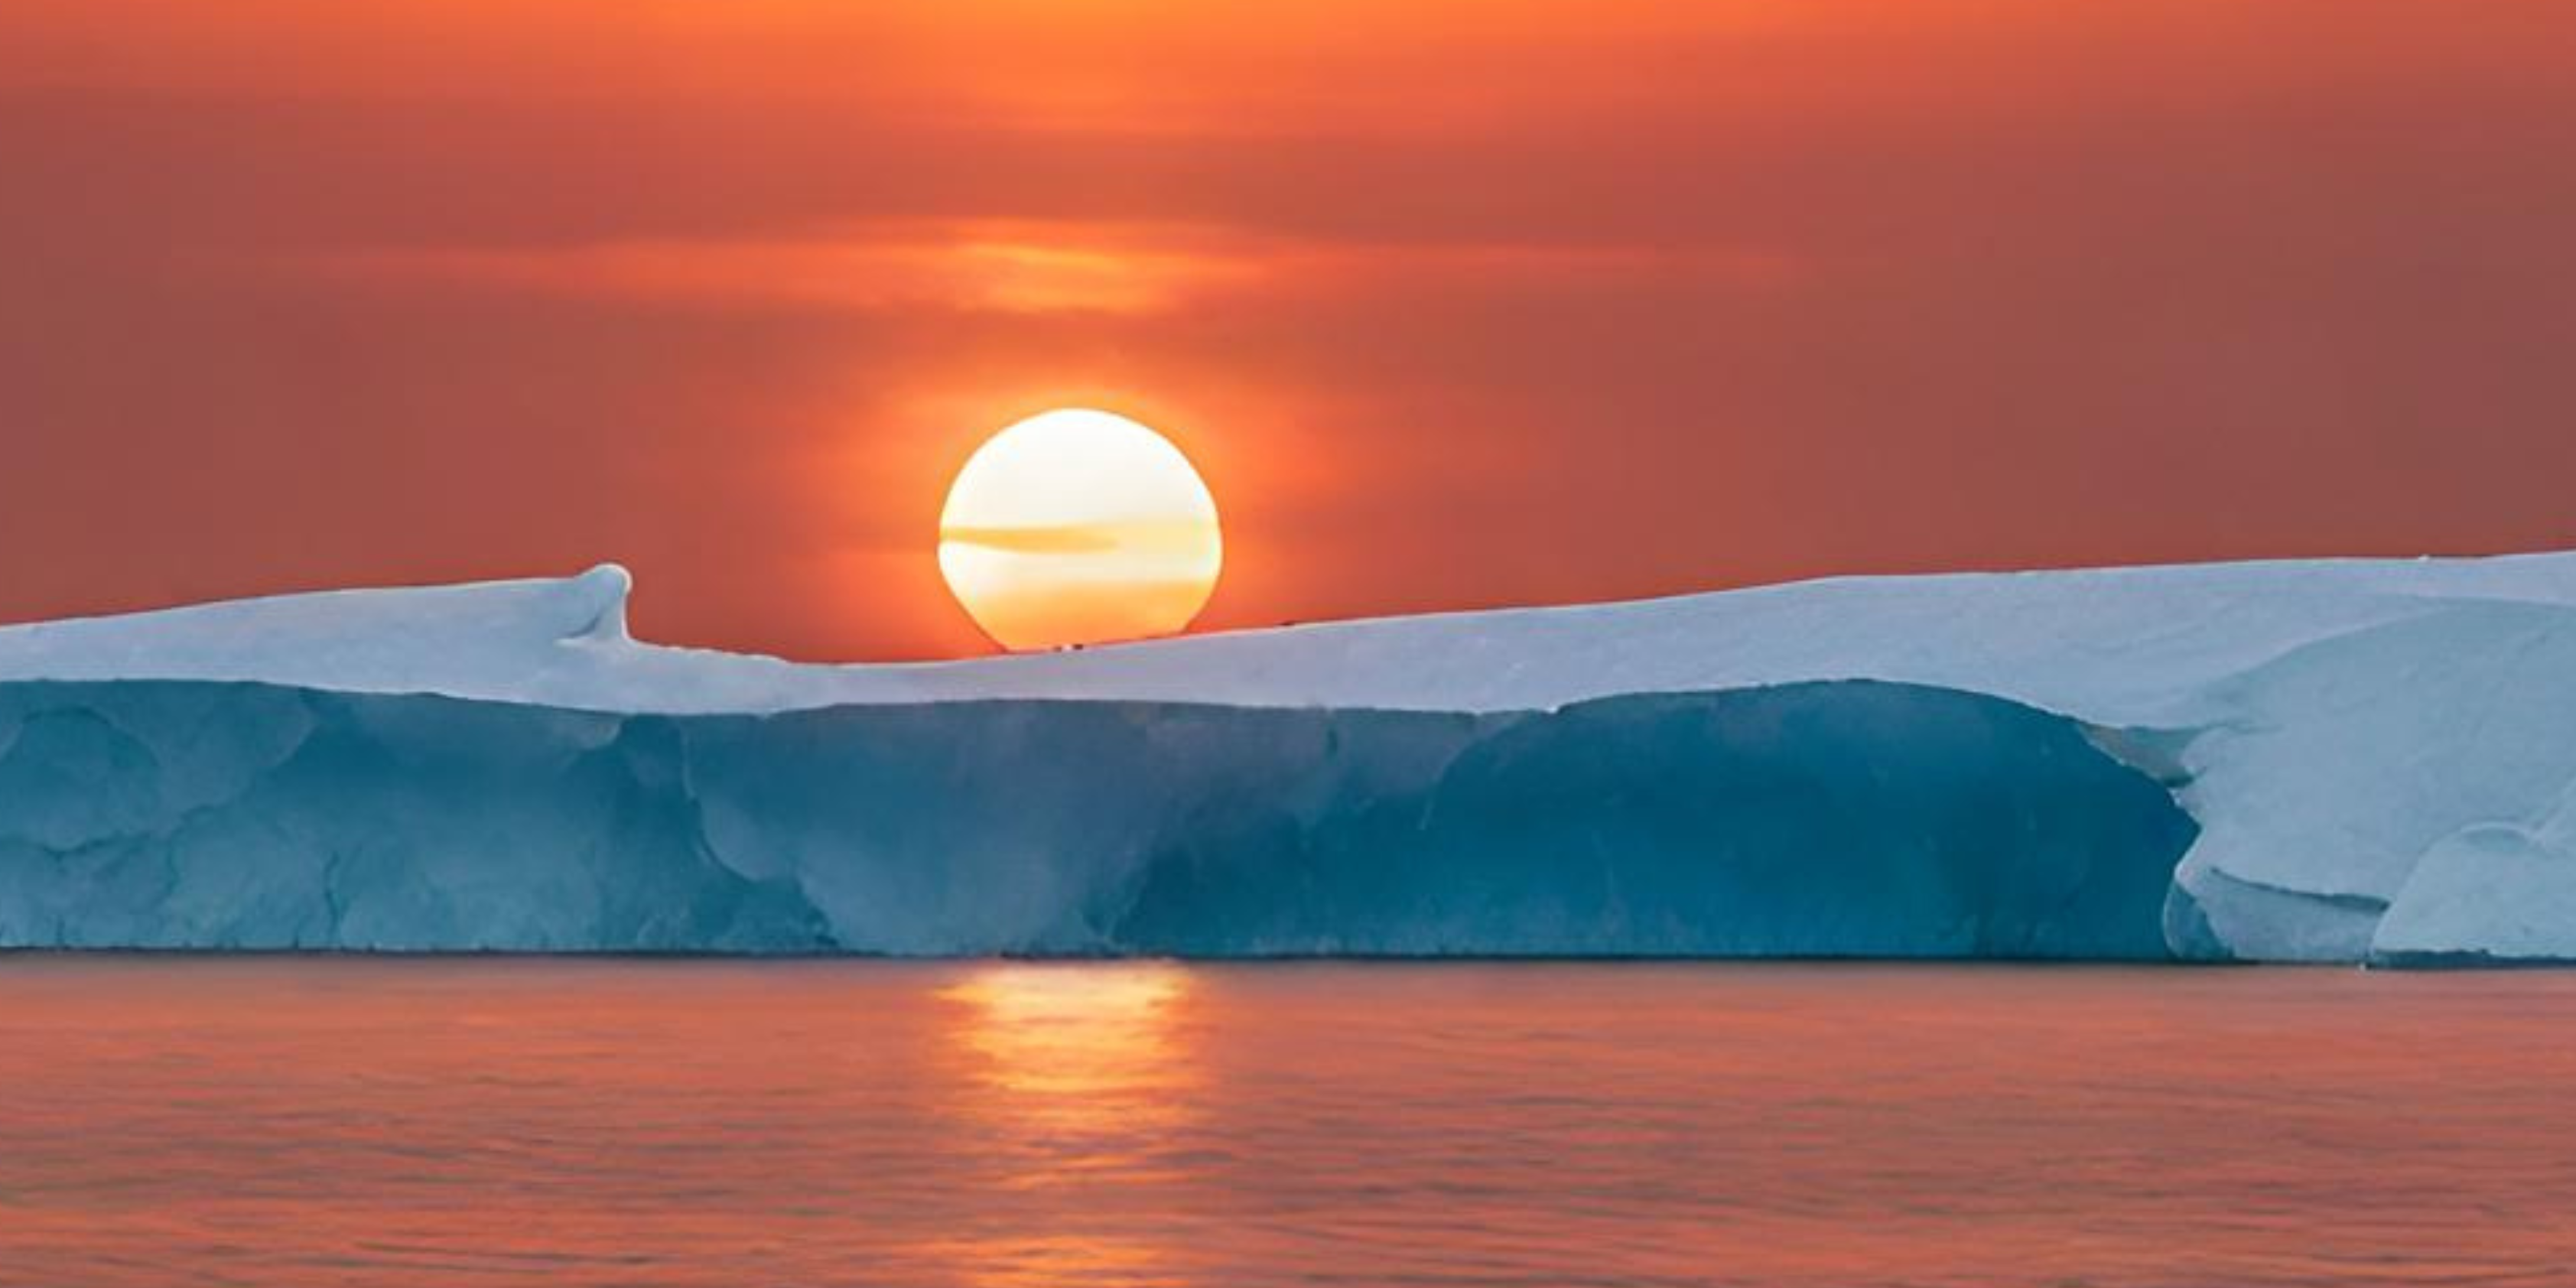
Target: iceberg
{"points": [[2340, 760]]}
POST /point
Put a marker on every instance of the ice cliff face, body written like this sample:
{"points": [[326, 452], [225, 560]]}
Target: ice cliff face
{"points": [[1851, 819], [2377, 757]]}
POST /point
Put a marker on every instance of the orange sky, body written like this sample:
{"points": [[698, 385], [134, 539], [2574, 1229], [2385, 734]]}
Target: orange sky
{"points": [[1456, 302]]}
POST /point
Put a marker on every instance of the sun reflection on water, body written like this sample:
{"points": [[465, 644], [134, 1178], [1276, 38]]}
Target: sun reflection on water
{"points": [[1077, 1045], [1079, 1083]]}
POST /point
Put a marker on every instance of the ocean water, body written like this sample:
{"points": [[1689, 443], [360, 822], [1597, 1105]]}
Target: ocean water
{"points": [[309, 1121]]}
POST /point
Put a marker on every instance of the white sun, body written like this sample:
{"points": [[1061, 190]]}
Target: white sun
{"points": [[1076, 527]]}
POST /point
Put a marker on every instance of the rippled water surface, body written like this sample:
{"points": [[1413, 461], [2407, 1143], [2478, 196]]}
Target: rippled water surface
{"points": [[285, 1122]]}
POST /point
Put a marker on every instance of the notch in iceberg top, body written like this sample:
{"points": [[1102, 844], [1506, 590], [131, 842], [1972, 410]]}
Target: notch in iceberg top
{"points": [[603, 592]]}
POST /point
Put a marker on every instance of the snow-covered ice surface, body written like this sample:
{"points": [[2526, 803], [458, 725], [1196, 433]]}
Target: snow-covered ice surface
{"points": [[2379, 757]]}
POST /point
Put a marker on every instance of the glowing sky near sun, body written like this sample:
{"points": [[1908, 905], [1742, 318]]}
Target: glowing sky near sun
{"points": [[1452, 303]]}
